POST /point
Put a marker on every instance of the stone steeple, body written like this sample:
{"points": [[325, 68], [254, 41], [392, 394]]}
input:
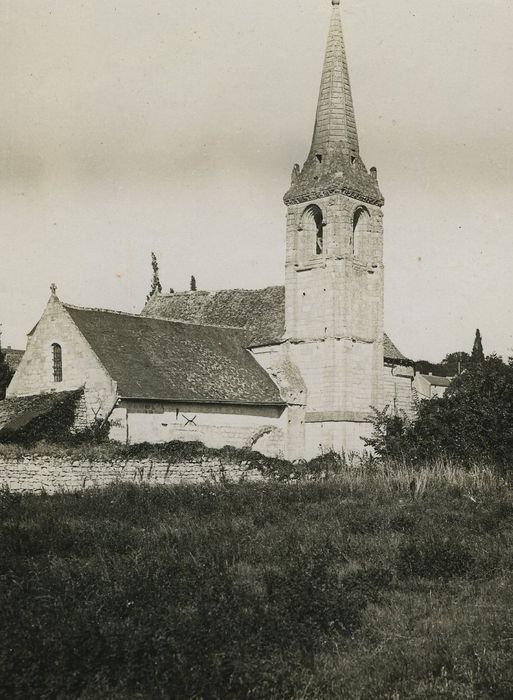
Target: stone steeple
{"points": [[334, 164]]}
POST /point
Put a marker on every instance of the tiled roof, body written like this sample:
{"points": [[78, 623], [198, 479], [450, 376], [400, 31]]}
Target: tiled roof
{"points": [[18, 411], [260, 311], [153, 358], [436, 381], [390, 352], [13, 358]]}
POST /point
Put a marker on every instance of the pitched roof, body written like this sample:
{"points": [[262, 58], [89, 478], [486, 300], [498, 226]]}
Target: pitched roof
{"points": [[18, 411], [334, 163], [260, 311], [153, 358], [12, 358], [390, 351], [436, 381]]}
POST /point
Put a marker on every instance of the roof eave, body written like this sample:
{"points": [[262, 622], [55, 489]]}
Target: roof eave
{"points": [[223, 402], [399, 361]]}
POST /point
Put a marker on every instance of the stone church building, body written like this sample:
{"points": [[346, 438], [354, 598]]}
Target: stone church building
{"points": [[290, 371]]}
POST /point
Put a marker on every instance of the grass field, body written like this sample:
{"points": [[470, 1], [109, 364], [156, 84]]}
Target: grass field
{"points": [[369, 585]]}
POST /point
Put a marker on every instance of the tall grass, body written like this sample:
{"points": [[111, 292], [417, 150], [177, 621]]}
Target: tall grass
{"points": [[377, 582]]}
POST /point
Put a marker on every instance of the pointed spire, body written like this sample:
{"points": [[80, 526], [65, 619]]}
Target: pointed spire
{"points": [[335, 122], [334, 163]]}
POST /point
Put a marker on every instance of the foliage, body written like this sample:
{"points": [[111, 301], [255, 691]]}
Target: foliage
{"points": [[341, 588], [97, 433], [93, 443], [55, 426], [477, 350], [453, 363], [434, 554], [156, 287], [473, 420], [6, 374]]}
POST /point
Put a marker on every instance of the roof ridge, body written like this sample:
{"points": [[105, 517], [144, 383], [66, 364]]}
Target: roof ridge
{"points": [[188, 292], [153, 318], [97, 308]]}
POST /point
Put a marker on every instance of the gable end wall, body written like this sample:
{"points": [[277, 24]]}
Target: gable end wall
{"points": [[81, 367]]}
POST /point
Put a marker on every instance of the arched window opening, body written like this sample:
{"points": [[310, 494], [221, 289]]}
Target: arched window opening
{"points": [[361, 231], [57, 362], [313, 228]]}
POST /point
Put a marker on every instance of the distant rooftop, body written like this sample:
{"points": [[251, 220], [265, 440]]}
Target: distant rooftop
{"points": [[437, 381]]}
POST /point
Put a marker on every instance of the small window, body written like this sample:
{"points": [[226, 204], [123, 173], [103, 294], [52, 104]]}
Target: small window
{"points": [[57, 362]]}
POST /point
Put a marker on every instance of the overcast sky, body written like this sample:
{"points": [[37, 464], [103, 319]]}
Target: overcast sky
{"points": [[173, 125]]}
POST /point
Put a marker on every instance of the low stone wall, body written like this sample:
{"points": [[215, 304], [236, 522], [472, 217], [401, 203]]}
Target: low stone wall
{"points": [[35, 474]]}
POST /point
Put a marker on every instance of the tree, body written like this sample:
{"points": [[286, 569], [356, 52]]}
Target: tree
{"points": [[455, 363], [426, 367], [477, 350], [193, 284], [156, 287], [472, 421], [6, 374]]}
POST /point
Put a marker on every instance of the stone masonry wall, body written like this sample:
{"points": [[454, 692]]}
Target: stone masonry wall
{"points": [[80, 366], [398, 389], [35, 474], [215, 425], [334, 316]]}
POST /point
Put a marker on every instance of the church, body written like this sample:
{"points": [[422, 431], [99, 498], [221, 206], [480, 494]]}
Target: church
{"points": [[291, 371]]}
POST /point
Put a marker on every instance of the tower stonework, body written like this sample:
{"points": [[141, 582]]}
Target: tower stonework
{"points": [[334, 288]]}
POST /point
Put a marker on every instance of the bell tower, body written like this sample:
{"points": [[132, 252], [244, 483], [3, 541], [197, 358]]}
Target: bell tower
{"points": [[334, 265]]}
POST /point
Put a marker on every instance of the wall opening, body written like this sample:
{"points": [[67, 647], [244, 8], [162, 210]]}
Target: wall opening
{"points": [[57, 362], [361, 232], [312, 225]]}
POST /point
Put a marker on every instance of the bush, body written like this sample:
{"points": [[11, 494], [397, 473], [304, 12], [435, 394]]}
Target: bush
{"points": [[472, 421], [55, 424]]}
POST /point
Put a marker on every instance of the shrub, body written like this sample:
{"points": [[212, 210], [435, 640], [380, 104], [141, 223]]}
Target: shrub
{"points": [[472, 421], [55, 425]]}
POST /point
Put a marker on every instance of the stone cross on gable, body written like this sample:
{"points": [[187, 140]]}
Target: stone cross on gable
{"points": [[53, 289]]}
